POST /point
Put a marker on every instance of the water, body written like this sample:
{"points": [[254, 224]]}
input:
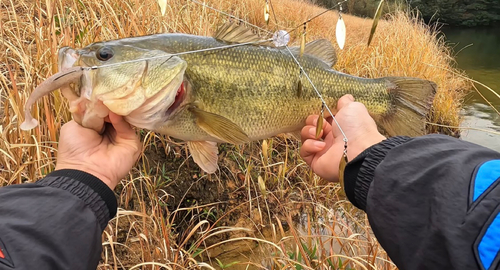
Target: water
{"points": [[479, 55]]}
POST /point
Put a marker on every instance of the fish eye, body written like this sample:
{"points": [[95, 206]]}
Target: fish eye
{"points": [[104, 53]]}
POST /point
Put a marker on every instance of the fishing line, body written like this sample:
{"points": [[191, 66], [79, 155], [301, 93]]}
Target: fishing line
{"points": [[316, 16], [493, 132], [343, 160], [232, 16], [317, 92], [274, 14], [272, 9], [182, 53]]}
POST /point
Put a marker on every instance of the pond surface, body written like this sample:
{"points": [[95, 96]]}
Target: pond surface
{"points": [[478, 53]]}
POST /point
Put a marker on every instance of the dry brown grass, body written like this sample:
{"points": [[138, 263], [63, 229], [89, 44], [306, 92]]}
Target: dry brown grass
{"points": [[157, 228]]}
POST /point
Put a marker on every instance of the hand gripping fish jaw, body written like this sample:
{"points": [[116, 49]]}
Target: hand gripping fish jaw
{"points": [[62, 80], [91, 98]]}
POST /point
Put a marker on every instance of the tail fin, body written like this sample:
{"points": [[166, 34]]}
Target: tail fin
{"points": [[411, 102]]}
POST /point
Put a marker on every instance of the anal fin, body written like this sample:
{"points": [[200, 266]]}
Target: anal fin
{"points": [[204, 153]]}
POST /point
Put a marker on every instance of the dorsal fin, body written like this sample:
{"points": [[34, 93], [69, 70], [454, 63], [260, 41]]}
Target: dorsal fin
{"points": [[321, 49], [231, 32]]}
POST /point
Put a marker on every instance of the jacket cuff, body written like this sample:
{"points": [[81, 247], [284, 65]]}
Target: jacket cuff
{"points": [[90, 189], [359, 172]]}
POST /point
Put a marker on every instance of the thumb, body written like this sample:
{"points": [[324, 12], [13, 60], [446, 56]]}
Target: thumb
{"points": [[122, 128], [344, 101]]}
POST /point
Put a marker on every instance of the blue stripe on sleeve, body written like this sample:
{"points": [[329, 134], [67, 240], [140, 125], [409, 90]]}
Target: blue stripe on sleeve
{"points": [[489, 246], [487, 174]]}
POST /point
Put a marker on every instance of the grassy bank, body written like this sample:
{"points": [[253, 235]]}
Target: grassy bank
{"points": [[172, 215]]}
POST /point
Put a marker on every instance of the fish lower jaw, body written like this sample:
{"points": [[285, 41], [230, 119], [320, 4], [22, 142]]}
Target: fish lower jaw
{"points": [[153, 111], [66, 58]]}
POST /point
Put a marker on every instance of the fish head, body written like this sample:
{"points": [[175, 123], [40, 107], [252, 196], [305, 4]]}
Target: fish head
{"points": [[134, 82]]}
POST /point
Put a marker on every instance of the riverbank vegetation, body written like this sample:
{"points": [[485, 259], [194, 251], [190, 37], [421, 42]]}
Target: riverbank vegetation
{"points": [[264, 207], [448, 12]]}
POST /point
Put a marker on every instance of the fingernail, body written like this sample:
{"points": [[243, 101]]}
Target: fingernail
{"points": [[351, 97], [319, 144], [312, 131], [315, 119]]}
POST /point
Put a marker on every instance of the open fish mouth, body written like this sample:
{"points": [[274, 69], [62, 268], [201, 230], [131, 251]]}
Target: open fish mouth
{"points": [[160, 107], [66, 58], [179, 97]]}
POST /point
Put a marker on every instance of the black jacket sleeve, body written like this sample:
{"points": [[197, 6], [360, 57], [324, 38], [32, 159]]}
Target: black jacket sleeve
{"points": [[433, 202], [55, 223]]}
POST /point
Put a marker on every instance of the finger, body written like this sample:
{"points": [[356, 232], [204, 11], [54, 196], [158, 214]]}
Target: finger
{"points": [[327, 127], [312, 120], [305, 133], [122, 128], [344, 101], [73, 127], [310, 148], [313, 133]]}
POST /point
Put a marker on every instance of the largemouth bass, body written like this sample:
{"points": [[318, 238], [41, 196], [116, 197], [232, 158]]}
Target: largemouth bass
{"points": [[231, 95]]}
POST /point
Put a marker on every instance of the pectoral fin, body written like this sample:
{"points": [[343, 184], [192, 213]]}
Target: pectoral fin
{"points": [[205, 155], [219, 126]]}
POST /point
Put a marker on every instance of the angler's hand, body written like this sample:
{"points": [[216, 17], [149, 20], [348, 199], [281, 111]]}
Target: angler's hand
{"points": [[109, 156], [324, 155]]}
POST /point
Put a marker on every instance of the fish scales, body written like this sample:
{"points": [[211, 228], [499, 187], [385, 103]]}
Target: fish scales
{"points": [[262, 82]]}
